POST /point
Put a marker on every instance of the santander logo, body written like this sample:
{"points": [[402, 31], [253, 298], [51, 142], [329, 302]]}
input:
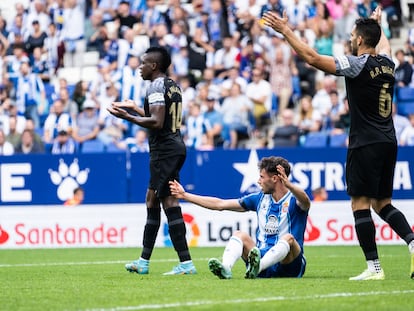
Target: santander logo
{"points": [[4, 236]]}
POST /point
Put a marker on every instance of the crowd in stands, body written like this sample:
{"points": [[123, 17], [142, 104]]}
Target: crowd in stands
{"points": [[243, 86]]}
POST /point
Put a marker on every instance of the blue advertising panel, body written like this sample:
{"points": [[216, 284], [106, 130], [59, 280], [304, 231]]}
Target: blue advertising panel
{"points": [[123, 178], [50, 179]]}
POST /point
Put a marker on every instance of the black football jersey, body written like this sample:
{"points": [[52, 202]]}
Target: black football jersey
{"points": [[166, 141], [370, 89]]}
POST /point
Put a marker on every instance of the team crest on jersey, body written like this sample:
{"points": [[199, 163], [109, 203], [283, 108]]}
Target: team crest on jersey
{"points": [[272, 225]]}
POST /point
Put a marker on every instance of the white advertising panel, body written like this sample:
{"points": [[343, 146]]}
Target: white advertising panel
{"points": [[329, 223]]}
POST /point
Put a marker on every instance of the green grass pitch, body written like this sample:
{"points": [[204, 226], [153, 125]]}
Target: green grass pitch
{"points": [[95, 280]]}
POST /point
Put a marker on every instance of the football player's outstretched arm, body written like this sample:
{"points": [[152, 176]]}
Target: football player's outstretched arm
{"points": [[213, 203]]}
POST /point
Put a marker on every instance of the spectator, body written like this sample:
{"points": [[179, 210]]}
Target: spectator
{"points": [[30, 94], [400, 122], [344, 122], [69, 105], [273, 5], [324, 39], [319, 194], [35, 39], [404, 71], [86, 126], [259, 91], [63, 144], [138, 143], [40, 65], [344, 14], [14, 62], [151, 17], [77, 199], [55, 11], [108, 8], [236, 111], [10, 111], [28, 144], [210, 83], [196, 129], [188, 93], [96, 32], [73, 33], [37, 138], [245, 60], [306, 73], [128, 47], [79, 93], [232, 78], [334, 112], [366, 7], [310, 119], [13, 136], [53, 51], [181, 62], [215, 119], [322, 100], [286, 134], [320, 15], [132, 84], [225, 57], [6, 148], [37, 12], [124, 18], [57, 121], [297, 12], [200, 48], [407, 135]]}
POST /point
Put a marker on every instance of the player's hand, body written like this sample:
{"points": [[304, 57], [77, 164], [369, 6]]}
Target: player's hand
{"points": [[376, 14], [127, 103], [176, 189], [118, 111], [282, 174], [274, 21]]}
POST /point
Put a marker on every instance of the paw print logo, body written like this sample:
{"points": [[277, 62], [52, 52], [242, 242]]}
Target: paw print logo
{"points": [[68, 178]]}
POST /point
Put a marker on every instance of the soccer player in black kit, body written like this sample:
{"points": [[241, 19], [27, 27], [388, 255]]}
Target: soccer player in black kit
{"points": [[372, 150], [162, 116]]}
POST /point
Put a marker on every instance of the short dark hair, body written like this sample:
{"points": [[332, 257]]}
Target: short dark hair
{"points": [[369, 30], [162, 57], [270, 164]]}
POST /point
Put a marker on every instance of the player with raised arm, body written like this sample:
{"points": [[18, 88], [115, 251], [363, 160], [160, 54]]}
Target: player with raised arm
{"points": [[372, 149], [161, 115], [282, 212]]}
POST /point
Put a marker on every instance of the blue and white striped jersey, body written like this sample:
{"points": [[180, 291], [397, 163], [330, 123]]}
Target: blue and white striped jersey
{"points": [[275, 219]]}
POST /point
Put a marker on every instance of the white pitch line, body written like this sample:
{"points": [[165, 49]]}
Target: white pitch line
{"points": [[83, 263], [250, 300]]}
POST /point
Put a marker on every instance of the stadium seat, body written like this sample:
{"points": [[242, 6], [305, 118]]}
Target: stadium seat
{"points": [[71, 74], [92, 146], [405, 100], [112, 148], [89, 73], [338, 140], [315, 139]]}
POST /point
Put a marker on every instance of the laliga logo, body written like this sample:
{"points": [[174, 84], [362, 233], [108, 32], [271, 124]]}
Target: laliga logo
{"points": [[189, 220], [312, 233], [68, 178], [4, 236]]}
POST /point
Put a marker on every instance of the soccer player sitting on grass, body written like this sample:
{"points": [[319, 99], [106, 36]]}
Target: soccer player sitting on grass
{"points": [[282, 211]]}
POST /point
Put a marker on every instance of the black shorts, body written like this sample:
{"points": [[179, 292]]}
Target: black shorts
{"points": [[370, 170], [162, 171]]}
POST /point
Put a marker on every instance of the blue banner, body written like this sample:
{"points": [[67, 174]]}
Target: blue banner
{"points": [[110, 178]]}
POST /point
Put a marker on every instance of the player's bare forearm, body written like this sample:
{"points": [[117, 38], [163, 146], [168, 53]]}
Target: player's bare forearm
{"points": [[308, 54], [383, 46], [212, 203]]}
